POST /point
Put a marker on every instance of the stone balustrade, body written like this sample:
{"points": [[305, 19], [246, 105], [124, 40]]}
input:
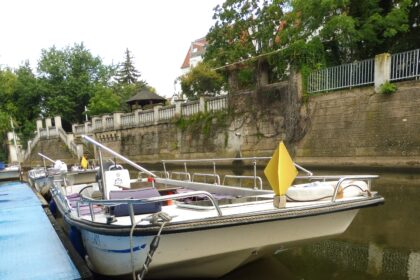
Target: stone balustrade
{"points": [[153, 116]]}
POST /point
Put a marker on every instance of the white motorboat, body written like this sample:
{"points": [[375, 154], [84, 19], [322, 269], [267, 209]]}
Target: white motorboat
{"points": [[10, 172], [41, 178], [179, 228]]}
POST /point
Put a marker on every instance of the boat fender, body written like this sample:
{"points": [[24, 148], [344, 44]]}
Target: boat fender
{"points": [[311, 191], [353, 188], [76, 240], [53, 207]]}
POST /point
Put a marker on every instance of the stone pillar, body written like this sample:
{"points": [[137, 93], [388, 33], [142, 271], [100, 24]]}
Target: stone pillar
{"points": [[79, 150], [47, 126], [136, 116], [48, 123], [156, 113], [382, 69], [104, 122], [202, 104], [87, 127], [178, 108], [93, 120], [69, 139], [57, 121], [117, 120], [38, 125]]}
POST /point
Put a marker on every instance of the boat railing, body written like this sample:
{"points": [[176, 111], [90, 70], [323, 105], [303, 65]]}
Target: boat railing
{"points": [[340, 179], [241, 177], [207, 175], [56, 193], [37, 173], [131, 202], [186, 175], [257, 179], [158, 173], [343, 178]]}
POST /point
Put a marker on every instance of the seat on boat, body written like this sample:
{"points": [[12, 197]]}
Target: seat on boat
{"points": [[83, 209], [146, 208], [117, 179]]}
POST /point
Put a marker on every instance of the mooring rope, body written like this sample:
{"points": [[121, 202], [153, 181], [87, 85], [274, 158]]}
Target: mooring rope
{"points": [[157, 218]]}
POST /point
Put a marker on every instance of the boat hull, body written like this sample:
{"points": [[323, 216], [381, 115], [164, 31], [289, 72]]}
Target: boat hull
{"points": [[9, 175], [210, 252]]}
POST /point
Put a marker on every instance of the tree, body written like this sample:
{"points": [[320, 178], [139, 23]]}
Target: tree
{"points": [[128, 80], [68, 80], [127, 73], [26, 95], [351, 29], [273, 35], [7, 90], [201, 80], [244, 30], [104, 101], [7, 107]]}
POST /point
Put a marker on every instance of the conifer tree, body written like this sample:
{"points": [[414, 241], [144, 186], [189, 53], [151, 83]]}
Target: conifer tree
{"points": [[127, 73]]}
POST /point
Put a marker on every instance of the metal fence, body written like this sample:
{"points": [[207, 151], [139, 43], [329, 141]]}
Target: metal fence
{"points": [[405, 65], [343, 76]]}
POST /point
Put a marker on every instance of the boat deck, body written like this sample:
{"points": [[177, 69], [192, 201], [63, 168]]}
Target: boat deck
{"points": [[182, 212], [29, 245]]}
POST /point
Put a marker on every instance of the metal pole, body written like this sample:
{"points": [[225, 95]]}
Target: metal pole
{"points": [[133, 164], [45, 157], [101, 164], [255, 174]]}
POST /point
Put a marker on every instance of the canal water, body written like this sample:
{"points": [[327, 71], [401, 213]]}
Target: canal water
{"points": [[382, 242]]}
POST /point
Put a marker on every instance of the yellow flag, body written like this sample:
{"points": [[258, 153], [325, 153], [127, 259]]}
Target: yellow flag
{"points": [[280, 170]]}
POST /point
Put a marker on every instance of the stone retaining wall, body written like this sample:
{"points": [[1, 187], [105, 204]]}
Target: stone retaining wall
{"points": [[363, 128]]}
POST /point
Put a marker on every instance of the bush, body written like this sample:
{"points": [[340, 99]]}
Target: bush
{"points": [[387, 88]]}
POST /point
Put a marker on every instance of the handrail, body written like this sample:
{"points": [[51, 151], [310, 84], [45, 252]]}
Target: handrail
{"points": [[349, 177], [187, 174], [255, 178], [205, 175], [212, 159], [126, 160], [163, 174]]}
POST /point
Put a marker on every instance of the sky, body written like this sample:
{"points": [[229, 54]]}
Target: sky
{"points": [[158, 33]]}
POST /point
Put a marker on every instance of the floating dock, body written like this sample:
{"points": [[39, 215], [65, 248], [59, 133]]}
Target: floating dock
{"points": [[29, 246]]}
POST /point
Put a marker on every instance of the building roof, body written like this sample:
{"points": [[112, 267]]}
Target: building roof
{"points": [[197, 47], [145, 95]]}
